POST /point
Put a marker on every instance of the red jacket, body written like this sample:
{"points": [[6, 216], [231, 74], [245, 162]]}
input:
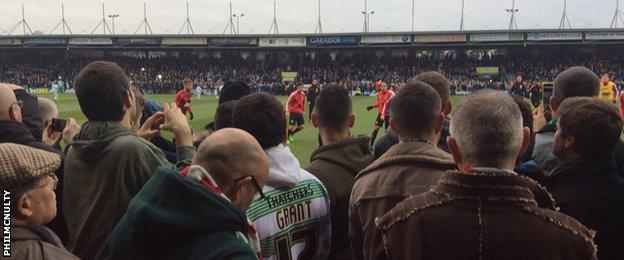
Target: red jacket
{"points": [[296, 102], [382, 99], [183, 100]]}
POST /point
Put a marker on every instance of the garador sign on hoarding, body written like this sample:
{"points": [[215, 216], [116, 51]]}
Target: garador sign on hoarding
{"points": [[333, 40]]}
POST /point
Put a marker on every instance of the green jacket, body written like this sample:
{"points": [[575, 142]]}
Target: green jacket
{"points": [[176, 218], [104, 168]]}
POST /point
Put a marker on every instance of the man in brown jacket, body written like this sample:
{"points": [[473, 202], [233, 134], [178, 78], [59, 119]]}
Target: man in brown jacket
{"points": [[410, 167], [338, 160], [486, 211]]}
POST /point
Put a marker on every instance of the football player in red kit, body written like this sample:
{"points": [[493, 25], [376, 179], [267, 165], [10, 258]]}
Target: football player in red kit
{"points": [[183, 98], [296, 106], [382, 98], [377, 85]]}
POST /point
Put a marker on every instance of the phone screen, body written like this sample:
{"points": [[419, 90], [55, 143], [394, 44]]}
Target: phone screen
{"points": [[58, 124]]}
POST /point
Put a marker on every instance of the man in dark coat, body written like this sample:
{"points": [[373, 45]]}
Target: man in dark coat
{"points": [[485, 210], [338, 160], [587, 186]]}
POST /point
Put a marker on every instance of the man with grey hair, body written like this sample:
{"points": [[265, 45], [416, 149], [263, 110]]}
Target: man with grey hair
{"points": [[485, 210], [573, 82], [48, 110]]}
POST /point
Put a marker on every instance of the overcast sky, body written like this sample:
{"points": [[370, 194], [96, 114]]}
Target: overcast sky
{"points": [[300, 16]]}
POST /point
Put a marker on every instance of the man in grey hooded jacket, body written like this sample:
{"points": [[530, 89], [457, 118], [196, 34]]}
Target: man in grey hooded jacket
{"points": [[107, 164]]}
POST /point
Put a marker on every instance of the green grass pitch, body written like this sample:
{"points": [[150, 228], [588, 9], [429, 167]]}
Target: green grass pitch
{"points": [[204, 109]]}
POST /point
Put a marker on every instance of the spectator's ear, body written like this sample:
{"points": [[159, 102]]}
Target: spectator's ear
{"points": [[526, 137], [552, 102], [439, 123], [240, 191], [454, 149], [351, 120], [15, 113], [569, 143], [24, 206], [447, 108], [314, 119], [130, 99]]}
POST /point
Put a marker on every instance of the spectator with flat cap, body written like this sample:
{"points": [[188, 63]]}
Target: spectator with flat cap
{"points": [[13, 130], [27, 178]]}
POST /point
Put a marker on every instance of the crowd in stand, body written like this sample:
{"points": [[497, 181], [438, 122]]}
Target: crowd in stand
{"points": [[356, 72], [496, 180]]}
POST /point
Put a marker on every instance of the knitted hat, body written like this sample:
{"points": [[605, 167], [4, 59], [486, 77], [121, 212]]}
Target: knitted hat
{"points": [[21, 164]]}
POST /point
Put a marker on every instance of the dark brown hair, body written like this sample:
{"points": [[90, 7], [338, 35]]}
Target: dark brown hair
{"points": [[416, 107], [261, 115], [102, 88], [439, 82], [333, 107], [595, 125]]}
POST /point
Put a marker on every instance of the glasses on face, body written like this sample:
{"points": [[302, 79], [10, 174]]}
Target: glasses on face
{"points": [[255, 184], [54, 182]]}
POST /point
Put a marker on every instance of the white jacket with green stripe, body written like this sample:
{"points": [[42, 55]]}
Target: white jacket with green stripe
{"points": [[293, 220]]}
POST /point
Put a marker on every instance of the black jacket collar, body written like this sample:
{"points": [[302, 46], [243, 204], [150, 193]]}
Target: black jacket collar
{"points": [[578, 169]]}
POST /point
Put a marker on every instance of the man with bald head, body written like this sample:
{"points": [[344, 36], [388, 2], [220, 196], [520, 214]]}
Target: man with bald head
{"points": [[30, 111], [12, 129], [198, 212]]}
